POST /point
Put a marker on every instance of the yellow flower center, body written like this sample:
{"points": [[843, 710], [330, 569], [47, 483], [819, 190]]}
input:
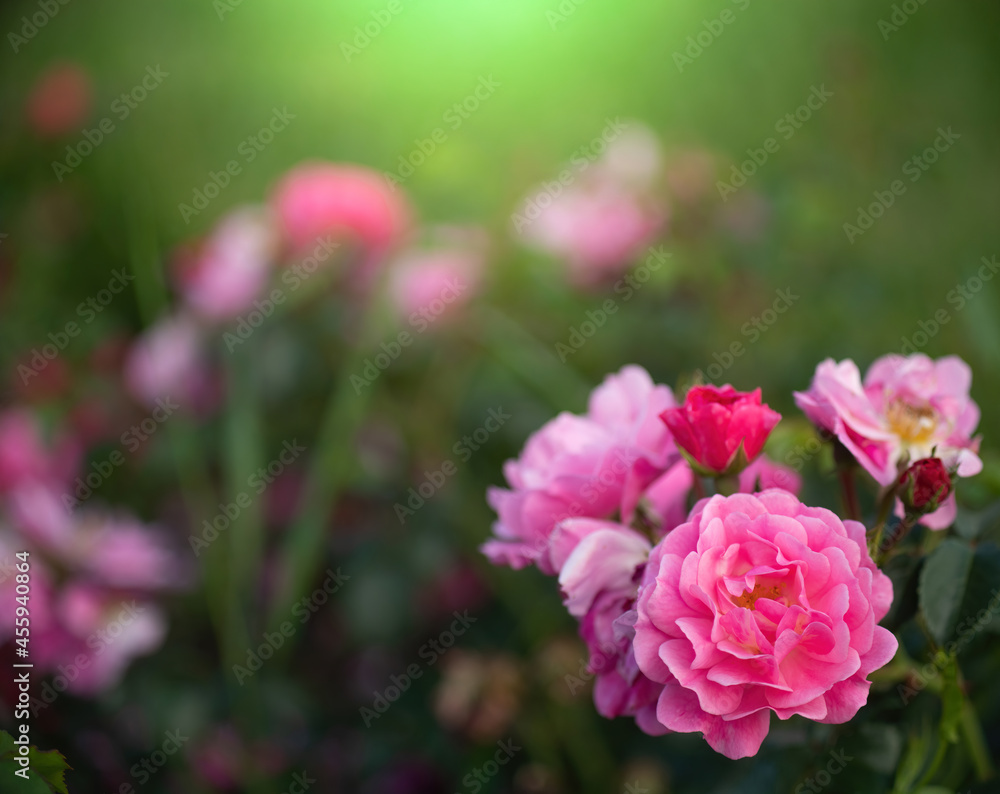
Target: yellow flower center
{"points": [[749, 598], [913, 424]]}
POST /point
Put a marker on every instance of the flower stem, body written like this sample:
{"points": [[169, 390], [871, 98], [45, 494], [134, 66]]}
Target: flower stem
{"points": [[975, 742], [849, 493]]}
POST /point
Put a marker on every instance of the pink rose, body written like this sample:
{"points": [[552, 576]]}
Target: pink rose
{"points": [[600, 564], [908, 408], [715, 421], [595, 465], [315, 200], [425, 285], [760, 604], [232, 267], [168, 363], [598, 230]]}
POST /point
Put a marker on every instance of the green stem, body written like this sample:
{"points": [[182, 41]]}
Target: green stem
{"points": [[533, 363], [245, 537], [727, 484], [332, 463], [189, 460], [884, 508], [975, 742]]}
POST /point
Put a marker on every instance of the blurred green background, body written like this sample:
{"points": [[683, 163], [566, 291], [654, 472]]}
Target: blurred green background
{"points": [[563, 69]]}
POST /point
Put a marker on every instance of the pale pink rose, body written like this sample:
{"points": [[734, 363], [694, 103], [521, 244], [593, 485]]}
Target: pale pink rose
{"points": [[599, 230], [168, 363], [760, 604], [908, 408], [60, 101], [318, 199], [425, 286], [716, 422], [633, 158], [595, 465], [232, 267], [599, 565]]}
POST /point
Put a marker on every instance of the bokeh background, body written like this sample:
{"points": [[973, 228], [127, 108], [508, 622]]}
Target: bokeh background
{"points": [[559, 72]]}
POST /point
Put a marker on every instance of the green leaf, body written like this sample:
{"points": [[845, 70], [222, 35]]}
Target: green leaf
{"points": [[934, 790], [980, 609], [48, 768], [51, 766], [942, 586]]}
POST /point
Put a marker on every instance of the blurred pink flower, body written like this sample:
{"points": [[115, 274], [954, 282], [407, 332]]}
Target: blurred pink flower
{"points": [[60, 100], [599, 230], [317, 199], [25, 457], [715, 423], [167, 362], [760, 604], [593, 466], [764, 474], [633, 159], [232, 267], [433, 283], [908, 408], [97, 625]]}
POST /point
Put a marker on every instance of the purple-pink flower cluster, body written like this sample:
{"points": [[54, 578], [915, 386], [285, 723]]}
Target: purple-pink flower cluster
{"points": [[95, 574]]}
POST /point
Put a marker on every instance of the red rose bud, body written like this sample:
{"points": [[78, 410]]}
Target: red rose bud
{"points": [[721, 430], [924, 486]]}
